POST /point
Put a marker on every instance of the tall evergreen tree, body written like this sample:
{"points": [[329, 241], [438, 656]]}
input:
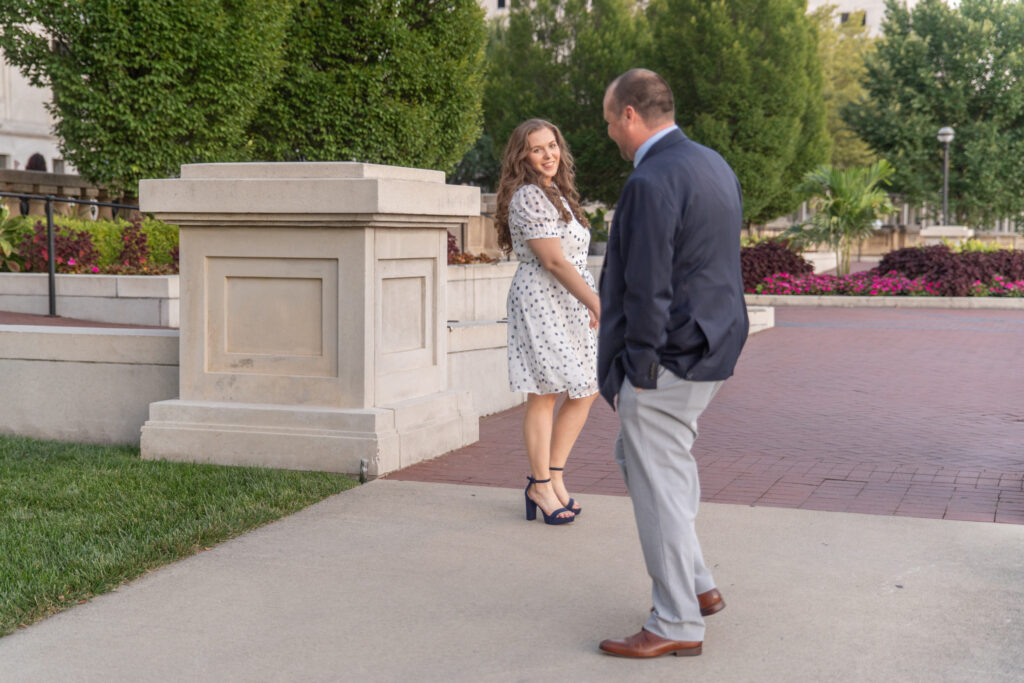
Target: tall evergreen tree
{"points": [[383, 81], [843, 48], [553, 59], [140, 88], [748, 83], [963, 67]]}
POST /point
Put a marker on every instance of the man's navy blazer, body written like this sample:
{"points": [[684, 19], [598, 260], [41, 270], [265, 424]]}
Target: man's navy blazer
{"points": [[671, 286]]}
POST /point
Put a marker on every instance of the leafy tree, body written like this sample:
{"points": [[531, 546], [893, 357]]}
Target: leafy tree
{"points": [[847, 202], [748, 83], [962, 67], [140, 88], [479, 166], [843, 48], [383, 81], [553, 59]]}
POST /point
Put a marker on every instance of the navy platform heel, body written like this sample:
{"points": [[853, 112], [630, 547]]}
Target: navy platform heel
{"points": [[569, 505], [531, 506]]}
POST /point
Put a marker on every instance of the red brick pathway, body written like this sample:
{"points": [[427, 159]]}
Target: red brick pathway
{"points": [[8, 318], [915, 412]]}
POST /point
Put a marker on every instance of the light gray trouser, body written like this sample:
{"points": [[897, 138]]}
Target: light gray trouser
{"points": [[657, 430]]}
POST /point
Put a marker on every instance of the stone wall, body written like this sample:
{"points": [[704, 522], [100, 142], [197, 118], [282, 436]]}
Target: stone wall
{"points": [[61, 185], [89, 385], [148, 300]]}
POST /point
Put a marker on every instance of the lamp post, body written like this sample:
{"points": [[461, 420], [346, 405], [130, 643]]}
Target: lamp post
{"points": [[945, 137]]}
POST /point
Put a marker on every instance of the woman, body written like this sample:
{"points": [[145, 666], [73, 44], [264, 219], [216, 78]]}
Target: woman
{"points": [[553, 309]]}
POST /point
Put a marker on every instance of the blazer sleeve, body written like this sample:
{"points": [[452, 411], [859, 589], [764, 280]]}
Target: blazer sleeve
{"points": [[647, 222]]}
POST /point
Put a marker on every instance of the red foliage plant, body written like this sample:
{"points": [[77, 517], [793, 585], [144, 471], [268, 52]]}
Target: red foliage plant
{"points": [[955, 273], [768, 258], [455, 255], [73, 250]]}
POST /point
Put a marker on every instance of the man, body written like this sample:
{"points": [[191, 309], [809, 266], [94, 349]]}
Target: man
{"points": [[673, 321]]}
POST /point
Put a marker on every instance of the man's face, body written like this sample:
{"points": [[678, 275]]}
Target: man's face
{"points": [[618, 129]]}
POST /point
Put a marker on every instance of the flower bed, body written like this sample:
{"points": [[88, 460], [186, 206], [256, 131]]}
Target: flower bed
{"points": [[859, 284], [914, 271], [872, 284], [999, 286], [119, 247]]}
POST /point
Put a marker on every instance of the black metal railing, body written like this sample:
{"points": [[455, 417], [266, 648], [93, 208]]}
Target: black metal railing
{"points": [[50, 256]]}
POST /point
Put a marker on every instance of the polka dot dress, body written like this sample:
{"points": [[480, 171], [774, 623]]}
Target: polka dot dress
{"points": [[551, 348]]}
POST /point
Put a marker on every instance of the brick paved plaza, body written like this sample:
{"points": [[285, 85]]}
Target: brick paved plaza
{"points": [[915, 412]]}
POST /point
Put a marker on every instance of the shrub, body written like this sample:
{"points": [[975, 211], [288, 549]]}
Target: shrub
{"points": [[134, 246], [770, 257], [107, 236], [458, 257], [383, 82], [163, 242], [10, 238], [955, 273], [73, 250], [134, 257], [973, 245], [453, 247]]}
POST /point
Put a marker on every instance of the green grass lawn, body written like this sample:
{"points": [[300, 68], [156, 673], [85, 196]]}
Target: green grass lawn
{"points": [[79, 520]]}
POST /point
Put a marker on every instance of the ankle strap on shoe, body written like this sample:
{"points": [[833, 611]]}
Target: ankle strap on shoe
{"points": [[538, 481], [556, 469]]}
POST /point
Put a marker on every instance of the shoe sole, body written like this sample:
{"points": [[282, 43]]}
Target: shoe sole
{"points": [[713, 609], [686, 652], [708, 611]]}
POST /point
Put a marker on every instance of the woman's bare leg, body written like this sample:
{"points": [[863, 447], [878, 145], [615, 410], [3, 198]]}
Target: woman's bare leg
{"points": [[537, 427], [567, 427]]}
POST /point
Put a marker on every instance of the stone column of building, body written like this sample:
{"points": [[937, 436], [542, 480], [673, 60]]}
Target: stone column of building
{"points": [[313, 328]]}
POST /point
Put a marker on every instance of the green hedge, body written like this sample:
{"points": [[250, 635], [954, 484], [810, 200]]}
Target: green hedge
{"points": [[161, 237]]}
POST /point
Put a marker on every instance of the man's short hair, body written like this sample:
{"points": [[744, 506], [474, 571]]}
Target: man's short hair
{"points": [[646, 92]]}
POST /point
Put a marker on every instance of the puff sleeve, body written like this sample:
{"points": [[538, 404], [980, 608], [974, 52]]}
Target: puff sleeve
{"points": [[532, 213]]}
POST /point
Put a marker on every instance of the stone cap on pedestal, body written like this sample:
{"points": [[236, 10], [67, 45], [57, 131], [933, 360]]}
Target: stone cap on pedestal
{"points": [[285, 192], [308, 169], [956, 231]]}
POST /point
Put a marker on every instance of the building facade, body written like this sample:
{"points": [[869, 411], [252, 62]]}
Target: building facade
{"points": [[495, 7], [874, 11], [26, 127]]}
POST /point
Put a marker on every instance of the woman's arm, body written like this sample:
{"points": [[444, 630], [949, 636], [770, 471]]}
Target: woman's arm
{"points": [[548, 251]]}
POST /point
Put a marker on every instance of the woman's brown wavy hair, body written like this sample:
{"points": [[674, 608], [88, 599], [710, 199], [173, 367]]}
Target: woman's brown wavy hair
{"points": [[516, 171]]}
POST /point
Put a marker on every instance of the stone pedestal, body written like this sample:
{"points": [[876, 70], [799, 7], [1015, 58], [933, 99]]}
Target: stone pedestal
{"points": [[312, 316], [937, 234]]}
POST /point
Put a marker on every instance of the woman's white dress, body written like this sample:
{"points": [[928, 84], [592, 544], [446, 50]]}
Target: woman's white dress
{"points": [[551, 348]]}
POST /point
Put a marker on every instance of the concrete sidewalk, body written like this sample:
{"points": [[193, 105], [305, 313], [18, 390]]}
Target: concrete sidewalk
{"points": [[888, 411], [409, 581]]}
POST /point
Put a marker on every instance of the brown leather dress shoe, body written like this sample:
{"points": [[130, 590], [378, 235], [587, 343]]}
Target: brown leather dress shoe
{"points": [[646, 644], [710, 602]]}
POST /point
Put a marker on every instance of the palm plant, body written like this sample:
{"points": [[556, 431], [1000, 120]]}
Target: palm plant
{"points": [[846, 204], [7, 248]]}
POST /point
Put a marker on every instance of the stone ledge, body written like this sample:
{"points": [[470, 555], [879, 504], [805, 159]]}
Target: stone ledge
{"points": [[761, 318], [90, 345], [476, 335], [99, 382], [122, 299]]}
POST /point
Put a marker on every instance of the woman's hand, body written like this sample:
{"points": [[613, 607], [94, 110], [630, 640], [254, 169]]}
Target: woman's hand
{"points": [[595, 316]]}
